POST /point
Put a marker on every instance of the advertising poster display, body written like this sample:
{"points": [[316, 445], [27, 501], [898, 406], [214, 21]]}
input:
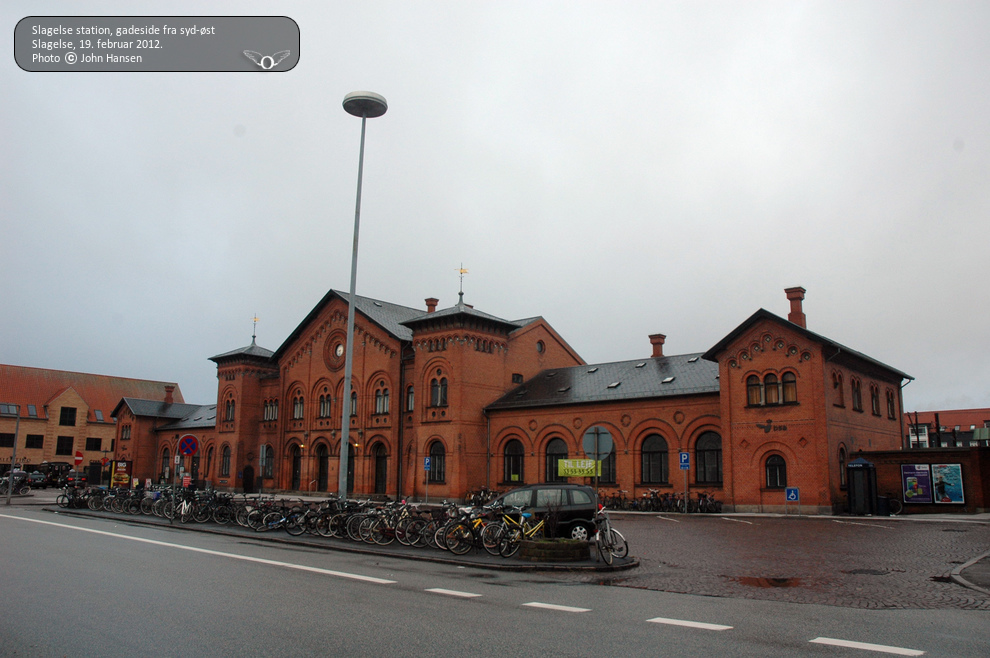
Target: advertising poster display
{"points": [[947, 483], [121, 474], [916, 483]]}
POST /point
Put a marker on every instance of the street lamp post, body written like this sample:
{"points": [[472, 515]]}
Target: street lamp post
{"points": [[364, 104]]}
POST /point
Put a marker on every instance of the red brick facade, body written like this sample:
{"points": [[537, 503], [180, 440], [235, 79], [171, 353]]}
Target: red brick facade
{"points": [[770, 405]]}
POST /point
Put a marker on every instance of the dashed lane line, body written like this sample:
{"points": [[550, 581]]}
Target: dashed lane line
{"points": [[869, 525], [206, 551], [689, 624], [553, 606], [899, 651], [452, 592], [726, 518], [668, 519]]}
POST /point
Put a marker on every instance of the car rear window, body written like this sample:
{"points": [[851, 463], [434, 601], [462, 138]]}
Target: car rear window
{"points": [[521, 498], [550, 498], [580, 497]]}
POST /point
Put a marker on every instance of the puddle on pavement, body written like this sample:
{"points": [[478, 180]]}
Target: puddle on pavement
{"points": [[752, 581]]}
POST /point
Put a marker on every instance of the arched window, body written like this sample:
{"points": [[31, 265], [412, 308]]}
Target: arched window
{"points": [[875, 399], [353, 403], [789, 384], [556, 450], [381, 399], [891, 405], [512, 462], [166, 462], [857, 395], [325, 403], [229, 410], [438, 462], [754, 391], [410, 398], [438, 391], [225, 462], [267, 461], [708, 457], [776, 472], [840, 396], [608, 469], [842, 467], [771, 389], [298, 407], [655, 465]]}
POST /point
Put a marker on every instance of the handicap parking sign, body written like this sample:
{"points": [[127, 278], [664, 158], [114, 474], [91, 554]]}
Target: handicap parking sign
{"points": [[792, 494]]}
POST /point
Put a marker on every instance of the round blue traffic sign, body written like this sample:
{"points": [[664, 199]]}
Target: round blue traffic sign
{"points": [[188, 445]]}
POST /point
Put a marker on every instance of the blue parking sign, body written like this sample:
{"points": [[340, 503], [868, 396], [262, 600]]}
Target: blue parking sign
{"points": [[426, 464], [792, 494], [685, 460]]}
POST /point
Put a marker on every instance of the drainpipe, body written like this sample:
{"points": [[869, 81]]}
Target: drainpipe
{"points": [[905, 439]]}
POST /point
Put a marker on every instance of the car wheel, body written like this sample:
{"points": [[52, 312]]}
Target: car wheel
{"points": [[580, 532]]}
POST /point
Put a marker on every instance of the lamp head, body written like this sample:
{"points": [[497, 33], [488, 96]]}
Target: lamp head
{"points": [[365, 104]]}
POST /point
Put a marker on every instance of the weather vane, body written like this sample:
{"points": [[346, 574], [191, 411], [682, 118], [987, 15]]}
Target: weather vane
{"points": [[254, 330], [460, 294]]}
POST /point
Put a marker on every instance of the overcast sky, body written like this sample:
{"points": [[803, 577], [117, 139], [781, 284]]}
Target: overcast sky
{"points": [[620, 168]]}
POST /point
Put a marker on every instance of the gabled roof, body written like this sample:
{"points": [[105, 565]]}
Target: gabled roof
{"points": [[763, 314], [386, 315], [182, 416], [37, 386], [656, 377]]}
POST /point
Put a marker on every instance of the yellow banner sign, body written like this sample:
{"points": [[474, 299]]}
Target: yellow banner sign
{"points": [[576, 468]]}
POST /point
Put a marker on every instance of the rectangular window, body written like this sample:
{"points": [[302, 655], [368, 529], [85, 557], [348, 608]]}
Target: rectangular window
{"points": [[6, 440], [34, 442], [63, 445], [8, 409], [125, 432], [94, 443], [32, 411], [99, 415], [918, 435], [67, 416]]}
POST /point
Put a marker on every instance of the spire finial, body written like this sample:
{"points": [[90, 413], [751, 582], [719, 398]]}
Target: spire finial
{"points": [[254, 330], [460, 295]]}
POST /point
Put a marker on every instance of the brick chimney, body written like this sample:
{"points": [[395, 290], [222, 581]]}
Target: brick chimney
{"points": [[796, 296], [169, 389], [431, 304], [657, 341]]}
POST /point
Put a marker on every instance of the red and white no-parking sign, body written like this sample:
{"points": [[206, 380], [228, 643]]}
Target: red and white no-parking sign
{"points": [[79, 457]]}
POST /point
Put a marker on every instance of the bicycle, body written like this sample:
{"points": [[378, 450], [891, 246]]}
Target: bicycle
{"points": [[608, 541], [512, 538]]}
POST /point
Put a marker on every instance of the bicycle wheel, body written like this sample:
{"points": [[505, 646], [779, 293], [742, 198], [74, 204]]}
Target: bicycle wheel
{"points": [[295, 525], [202, 514], [491, 536], [270, 521], [62, 500], [896, 506], [604, 543], [620, 547], [430, 534], [415, 533], [458, 538], [381, 533], [510, 541], [223, 515]]}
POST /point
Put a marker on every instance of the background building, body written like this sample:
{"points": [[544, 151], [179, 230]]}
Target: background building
{"points": [[64, 413]]}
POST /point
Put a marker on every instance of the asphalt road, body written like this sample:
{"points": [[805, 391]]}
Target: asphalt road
{"points": [[82, 587]]}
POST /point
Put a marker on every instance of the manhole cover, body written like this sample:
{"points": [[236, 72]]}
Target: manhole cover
{"points": [[867, 572], [752, 581]]}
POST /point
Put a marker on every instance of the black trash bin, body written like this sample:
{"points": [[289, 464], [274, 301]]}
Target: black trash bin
{"points": [[883, 506]]}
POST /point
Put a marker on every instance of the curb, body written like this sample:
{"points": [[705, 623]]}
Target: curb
{"points": [[626, 563], [957, 577]]}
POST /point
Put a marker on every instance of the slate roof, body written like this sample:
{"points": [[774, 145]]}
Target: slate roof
{"points": [[38, 386], [764, 314], [253, 350], [462, 309], [666, 376], [386, 315], [182, 415]]}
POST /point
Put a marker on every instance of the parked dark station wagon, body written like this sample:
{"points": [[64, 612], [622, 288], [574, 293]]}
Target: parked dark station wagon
{"points": [[576, 505]]}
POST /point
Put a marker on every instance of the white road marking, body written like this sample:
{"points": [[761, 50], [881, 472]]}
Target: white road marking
{"points": [[452, 592], [868, 647], [235, 556], [871, 525], [552, 606], [725, 518], [689, 624], [666, 519]]}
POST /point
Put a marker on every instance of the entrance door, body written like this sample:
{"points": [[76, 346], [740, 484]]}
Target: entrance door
{"points": [[323, 465], [381, 469], [296, 468], [248, 479]]}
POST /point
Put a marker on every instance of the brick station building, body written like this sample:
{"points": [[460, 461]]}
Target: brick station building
{"points": [[495, 402]]}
